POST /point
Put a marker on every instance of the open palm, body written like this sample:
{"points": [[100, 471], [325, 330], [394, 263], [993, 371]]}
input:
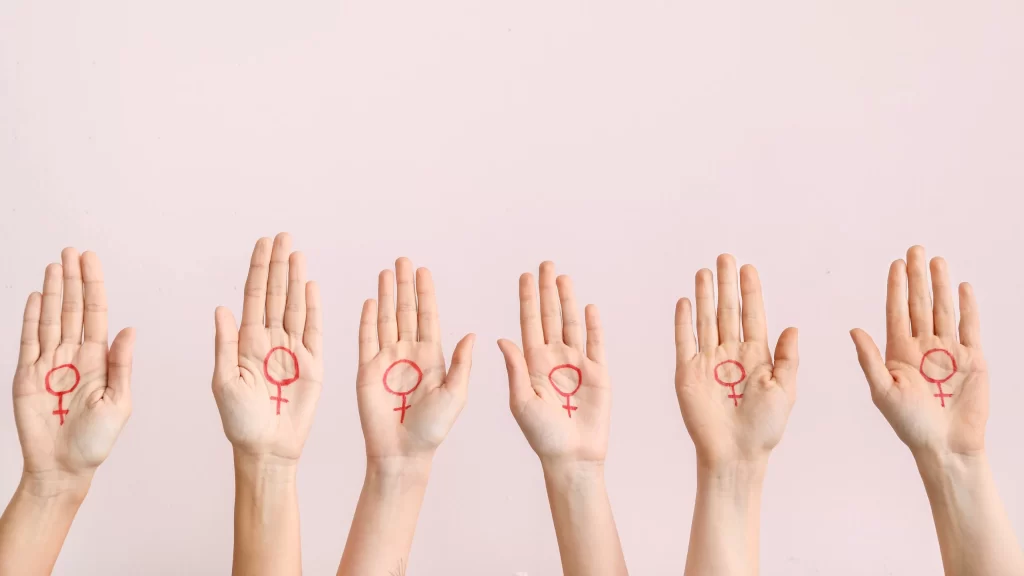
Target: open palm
{"points": [[268, 374], [735, 402], [71, 396], [408, 402], [932, 388], [559, 390]]}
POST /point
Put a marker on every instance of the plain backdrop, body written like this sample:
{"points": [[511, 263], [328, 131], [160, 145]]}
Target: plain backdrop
{"points": [[630, 142]]}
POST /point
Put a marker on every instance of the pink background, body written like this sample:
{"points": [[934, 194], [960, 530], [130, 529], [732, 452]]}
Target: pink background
{"points": [[631, 142]]}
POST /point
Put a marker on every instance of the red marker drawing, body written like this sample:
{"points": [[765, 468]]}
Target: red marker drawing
{"points": [[731, 385], [939, 381], [405, 395], [280, 383], [60, 411], [579, 380]]}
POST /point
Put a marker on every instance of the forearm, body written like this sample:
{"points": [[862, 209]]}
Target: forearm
{"points": [[385, 520], [975, 534], [588, 541], [37, 520], [724, 536], [266, 516]]}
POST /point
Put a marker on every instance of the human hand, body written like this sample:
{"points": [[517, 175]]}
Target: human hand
{"points": [[72, 396], [735, 402], [407, 401], [559, 391], [268, 375], [931, 388]]}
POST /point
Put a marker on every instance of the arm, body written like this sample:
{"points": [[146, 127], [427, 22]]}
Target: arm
{"points": [[407, 406], [72, 397], [735, 401], [560, 395], [933, 389], [266, 381]]}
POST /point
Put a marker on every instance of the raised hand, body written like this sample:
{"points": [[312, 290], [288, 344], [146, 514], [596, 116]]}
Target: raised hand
{"points": [[560, 395], [559, 390], [268, 374], [735, 401], [72, 396], [931, 387], [407, 400]]}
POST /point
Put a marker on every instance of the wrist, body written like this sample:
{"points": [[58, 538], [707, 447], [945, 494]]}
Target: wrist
{"points": [[573, 472], [265, 468], [737, 477], [938, 466], [55, 486], [401, 469]]}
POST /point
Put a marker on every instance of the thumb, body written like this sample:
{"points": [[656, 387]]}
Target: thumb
{"points": [[519, 389], [225, 364], [462, 362], [119, 367], [787, 360], [871, 362]]}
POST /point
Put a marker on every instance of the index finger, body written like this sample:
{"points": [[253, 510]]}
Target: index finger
{"points": [[95, 299], [255, 301]]}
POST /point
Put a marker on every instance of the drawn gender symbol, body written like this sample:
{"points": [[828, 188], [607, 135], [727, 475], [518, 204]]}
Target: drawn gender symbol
{"points": [[60, 411], [404, 394], [939, 381], [579, 380], [731, 385], [280, 383]]}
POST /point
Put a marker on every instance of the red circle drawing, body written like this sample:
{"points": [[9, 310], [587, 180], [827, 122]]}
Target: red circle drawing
{"points": [[579, 381], [939, 382], [279, 383], [404, 395], [60, 411], [732, 385]]}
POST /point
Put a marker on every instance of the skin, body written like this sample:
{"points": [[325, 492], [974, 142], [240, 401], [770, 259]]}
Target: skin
{"points": [[67, 323], [948, 442], [572, 449], [280, 309], [733, 437], [399, 453]]}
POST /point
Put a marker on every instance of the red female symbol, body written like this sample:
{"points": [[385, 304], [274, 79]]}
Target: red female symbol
{"points": [[939, 381], [279, 383], [731, 385], [579, 380], [405, 395], [60, 411]]}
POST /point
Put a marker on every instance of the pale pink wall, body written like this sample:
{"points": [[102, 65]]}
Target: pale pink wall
{"points": [[631, 142]]}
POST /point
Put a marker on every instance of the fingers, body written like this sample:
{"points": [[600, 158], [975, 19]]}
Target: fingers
{"points": [[871, 361], [707, 321], [897, 314], [225, 364], [519, 389], [686, 345], [755, 326], [72, 307], [787, 360], [28, 353], [970, 320], [119, 367], [277, 281], [368, 346], [313, 333], [920, 299], [406, 300], [49, 322], [944, 314], [295, 309], [387, 325], [550, 317], [255, 302], [95, 299], [529, 316], [462, 361], [728, 300], [595, 335], [572, 331], [429, 323]]}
